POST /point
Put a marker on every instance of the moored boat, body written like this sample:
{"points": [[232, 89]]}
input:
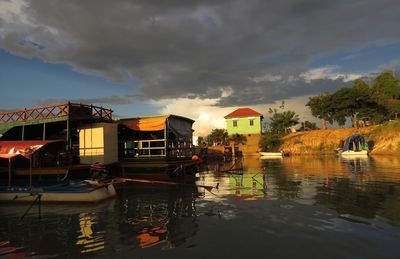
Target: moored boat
{"points": [[271, 154], [354, 145], [82, 191]]}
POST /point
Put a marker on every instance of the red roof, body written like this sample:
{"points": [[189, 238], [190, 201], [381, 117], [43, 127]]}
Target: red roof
{"points": [[243, 112]]}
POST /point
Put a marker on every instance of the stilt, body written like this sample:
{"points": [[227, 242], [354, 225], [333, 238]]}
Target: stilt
{"points": [[9, 172]]}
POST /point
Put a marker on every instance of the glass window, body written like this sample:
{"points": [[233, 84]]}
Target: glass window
{"points": [[234, 123], [251, 122]]}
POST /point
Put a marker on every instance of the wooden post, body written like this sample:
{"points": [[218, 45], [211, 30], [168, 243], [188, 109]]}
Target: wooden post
{"points": [[30, 170], [23, 133], [44, 131], [233, 151], [68, 140], [165, 138], [9, 172]]}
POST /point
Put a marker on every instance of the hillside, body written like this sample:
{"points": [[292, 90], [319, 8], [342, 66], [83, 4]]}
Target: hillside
{"points": [[382, 139]]}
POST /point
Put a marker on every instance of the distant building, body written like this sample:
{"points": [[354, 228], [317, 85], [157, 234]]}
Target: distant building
{"points": [[244, 121]]}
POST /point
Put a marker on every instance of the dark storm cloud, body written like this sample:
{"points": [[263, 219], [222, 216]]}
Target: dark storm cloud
{"points": [[112, 100], [197, 48]]}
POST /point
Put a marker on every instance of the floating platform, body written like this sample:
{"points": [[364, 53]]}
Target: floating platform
{"points": [[161, 169], [82, 191]]}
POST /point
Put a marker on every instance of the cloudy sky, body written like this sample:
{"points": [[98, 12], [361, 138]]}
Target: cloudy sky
{"points": [[200, 59]]}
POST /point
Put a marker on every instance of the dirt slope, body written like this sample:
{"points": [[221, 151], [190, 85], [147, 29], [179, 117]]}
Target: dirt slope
{"points": [[382, 139]]}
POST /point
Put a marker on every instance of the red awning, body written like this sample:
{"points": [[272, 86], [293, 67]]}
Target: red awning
{"points": [[10, 149]]}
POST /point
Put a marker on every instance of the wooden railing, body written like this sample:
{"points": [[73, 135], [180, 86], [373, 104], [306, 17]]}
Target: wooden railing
{"points": [[56, 111]]}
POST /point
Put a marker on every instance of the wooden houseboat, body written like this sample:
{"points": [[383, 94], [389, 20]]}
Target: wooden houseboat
{"points": [[72, 137], [59, 123], [156, 147]]}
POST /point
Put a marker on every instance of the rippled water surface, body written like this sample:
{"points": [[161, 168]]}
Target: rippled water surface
{"points": [[295, 207]]}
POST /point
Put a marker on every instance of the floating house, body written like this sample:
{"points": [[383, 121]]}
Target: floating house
{"points": [[60, 123], [74, 136], [244, 121], [148, 144]]}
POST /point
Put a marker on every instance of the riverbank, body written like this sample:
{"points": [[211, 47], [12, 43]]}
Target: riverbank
{"points": [[382, 139]]}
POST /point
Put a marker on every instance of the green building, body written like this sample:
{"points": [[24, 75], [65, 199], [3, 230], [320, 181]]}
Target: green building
{"points": [[244, 121]]}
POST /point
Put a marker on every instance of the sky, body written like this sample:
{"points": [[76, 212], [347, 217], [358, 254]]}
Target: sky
{"points": [[199, 59]]}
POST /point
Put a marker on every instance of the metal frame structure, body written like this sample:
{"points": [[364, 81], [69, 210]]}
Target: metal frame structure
{"points": [[55, 111]]}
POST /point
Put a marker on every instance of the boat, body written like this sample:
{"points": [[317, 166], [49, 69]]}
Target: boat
{"points": [[351, 153], [271, 154], [67, 191], [354, 145]]}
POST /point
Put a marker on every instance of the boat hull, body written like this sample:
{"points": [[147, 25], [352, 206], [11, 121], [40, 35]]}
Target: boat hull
{"points": [[351, 153], [271, 154], [72, 194]]}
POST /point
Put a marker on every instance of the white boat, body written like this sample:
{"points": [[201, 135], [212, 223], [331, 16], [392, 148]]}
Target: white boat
{"points": [[271, 154], [84, 191], [354, 145], [352, 153]]}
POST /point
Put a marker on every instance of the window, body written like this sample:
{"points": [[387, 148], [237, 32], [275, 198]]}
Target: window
{"points": [[251, 122], [234, 123]]}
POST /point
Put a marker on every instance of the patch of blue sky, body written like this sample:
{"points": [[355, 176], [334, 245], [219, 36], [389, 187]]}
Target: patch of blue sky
{"points": [[25, 80], [364, 60]]}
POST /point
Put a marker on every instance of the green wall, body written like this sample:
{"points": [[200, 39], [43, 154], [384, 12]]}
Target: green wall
{"points": [[243, 125]]}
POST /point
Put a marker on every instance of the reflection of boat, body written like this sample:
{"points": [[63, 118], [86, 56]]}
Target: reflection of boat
{"points": [[82, 191], [354, 145], [271, 154]]}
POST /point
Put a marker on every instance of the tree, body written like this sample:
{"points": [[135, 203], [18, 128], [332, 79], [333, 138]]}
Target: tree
{"points": [[319, 106], [238, 139], [217, 137], [280, 121], [354, 102], [271, 141], [386, 92], [308, 125]]}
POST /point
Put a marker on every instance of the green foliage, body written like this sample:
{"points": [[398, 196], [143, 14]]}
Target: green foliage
{"points": [[217, 137], [281, 120], [378, 103], [310, 125], [238, 139], [320, 106], [386, 92], [271, 141]]}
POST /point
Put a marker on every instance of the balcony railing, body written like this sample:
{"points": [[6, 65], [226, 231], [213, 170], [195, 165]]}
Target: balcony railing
{"points": [[157, 148], [57, 111]]}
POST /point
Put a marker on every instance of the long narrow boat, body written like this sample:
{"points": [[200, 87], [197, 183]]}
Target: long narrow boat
{"points": [[354, 153], [271, 154], [82, 191]]}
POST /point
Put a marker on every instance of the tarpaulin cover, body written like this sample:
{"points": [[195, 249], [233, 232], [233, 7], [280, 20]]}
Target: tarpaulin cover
{"points": [[151, 124], [182, 128], [355, 142], [10, 149]]}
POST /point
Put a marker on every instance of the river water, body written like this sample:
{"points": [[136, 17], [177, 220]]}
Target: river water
{"points": [[295, 207]]}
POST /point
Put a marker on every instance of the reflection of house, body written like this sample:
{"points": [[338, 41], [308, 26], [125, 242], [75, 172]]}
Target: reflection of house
{"points": [[244, 121]]}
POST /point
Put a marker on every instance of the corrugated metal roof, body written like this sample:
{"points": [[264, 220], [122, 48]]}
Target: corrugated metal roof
{"points": [[243, 112]]}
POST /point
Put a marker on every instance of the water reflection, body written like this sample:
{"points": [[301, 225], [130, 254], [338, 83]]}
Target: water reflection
{"points": [[167, 216], [273, 202], [361, 186], [89, 240]]}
